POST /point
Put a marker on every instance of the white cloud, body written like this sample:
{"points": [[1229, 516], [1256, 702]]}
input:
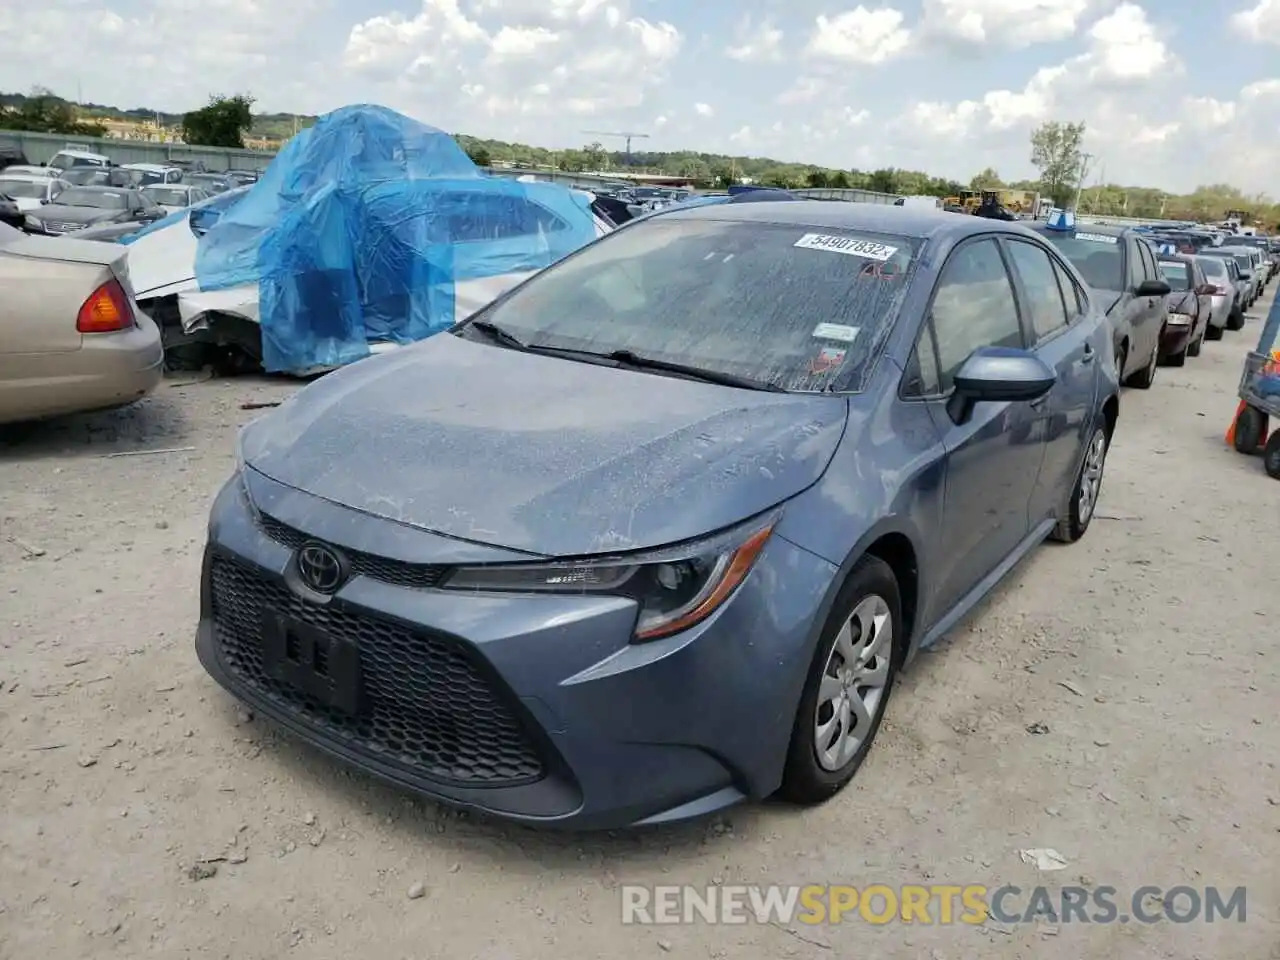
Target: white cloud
{"points": [[703, 109], [1260, 23], [756, 42], [1012, 24], [860, 35]]}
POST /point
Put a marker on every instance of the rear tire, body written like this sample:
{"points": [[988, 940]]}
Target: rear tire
{"points": [[1178, 359], [1250, 427], [870, 587], [1144, 378], [1075, 519], [1214, 333], [1271, 456]]}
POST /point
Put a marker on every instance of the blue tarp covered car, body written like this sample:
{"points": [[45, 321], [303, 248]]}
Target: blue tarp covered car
{"points": [[368, 227]]}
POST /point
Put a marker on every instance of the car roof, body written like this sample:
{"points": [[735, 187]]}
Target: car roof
{"points": [[1102, 229], [73, 152], [26, 177], [919, 223], [148, 167]]}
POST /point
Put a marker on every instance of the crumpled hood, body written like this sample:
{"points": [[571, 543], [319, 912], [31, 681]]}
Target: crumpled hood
{"points": [[542, 455]]}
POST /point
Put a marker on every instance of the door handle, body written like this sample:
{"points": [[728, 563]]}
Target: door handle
{"points": [[1088, 355]]}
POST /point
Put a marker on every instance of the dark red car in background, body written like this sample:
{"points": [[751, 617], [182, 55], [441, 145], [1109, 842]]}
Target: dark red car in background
{"points": [[1190, 305]]}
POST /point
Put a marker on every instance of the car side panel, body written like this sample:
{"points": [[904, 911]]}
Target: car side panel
{"points": [[39, 300]]}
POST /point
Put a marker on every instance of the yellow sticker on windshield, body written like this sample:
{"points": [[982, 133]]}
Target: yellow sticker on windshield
{"points": [[850, 246]]}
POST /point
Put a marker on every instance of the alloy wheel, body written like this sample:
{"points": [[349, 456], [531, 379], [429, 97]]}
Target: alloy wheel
{"points": [[1091, 476], [852, 689]]}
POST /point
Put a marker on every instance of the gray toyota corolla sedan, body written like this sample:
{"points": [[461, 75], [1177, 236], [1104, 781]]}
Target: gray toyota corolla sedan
{"points": [[654, 532]]}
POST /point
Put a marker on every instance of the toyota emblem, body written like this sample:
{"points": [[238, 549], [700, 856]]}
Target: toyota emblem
{"points": [[321, 568]]}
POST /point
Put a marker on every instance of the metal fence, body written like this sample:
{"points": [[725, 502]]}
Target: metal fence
{"points": [[41, 147]]}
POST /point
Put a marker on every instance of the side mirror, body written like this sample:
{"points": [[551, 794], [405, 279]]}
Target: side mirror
{"points": [[1000, 375], [1246, 274], [1153, 288]]}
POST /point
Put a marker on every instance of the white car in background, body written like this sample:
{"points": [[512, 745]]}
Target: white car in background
{"points": [[28, 190], [28, 170], [175, 196]]}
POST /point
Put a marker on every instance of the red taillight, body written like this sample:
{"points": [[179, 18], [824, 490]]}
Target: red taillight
{"points": [[106, 311], [1217, 289]]}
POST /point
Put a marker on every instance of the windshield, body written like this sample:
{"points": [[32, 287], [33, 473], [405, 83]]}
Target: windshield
{"points": [[168, 196], [23, 189], [65, 161], [786, 305], [1098, 256], [88, 197], [1176, 274], [1212, 266]]}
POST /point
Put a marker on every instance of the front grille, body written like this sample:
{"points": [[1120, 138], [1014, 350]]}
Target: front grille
{"points": [[427, 707], [401, 574]]}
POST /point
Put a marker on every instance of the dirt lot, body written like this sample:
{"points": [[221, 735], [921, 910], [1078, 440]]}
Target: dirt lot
{"points": [[1147, 651]]}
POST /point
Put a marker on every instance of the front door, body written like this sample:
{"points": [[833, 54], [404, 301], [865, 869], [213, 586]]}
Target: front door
{"points": [[993, 459], [1057, 307]]}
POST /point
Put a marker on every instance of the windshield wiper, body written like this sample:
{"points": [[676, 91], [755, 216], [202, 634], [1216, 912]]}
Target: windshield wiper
{"points": [[495, 332], [624, 358]]}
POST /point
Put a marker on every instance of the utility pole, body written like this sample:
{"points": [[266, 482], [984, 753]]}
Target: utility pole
{"points": [[1084, 167]]}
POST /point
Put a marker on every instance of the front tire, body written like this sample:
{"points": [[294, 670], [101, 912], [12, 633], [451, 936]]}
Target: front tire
{"points": [[848, 687], [1214, 333], [1075, 520], [1193, 348], [1251, 424], [1236, 320]]}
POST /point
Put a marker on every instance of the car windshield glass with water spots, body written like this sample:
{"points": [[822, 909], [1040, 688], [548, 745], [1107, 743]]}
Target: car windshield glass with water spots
{"points": [[1176, 274], [169, 196], [802, 308], [1098, 257], [23, 189], [88, 197]]}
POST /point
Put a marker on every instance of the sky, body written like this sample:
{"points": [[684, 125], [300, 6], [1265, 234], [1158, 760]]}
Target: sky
{"points": [[1173, 94]]}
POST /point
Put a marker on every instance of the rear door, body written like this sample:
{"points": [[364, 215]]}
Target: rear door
{"points": [[1148, 312], [1061, 339]]}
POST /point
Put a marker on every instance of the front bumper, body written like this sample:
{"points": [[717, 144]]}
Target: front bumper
{"points": [[532, 708]]}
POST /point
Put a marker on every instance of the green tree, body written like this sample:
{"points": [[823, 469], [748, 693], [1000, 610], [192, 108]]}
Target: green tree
{"points": [[1055, 152], [839, 180], [222, 123], [44, 112], [479, 155], [988, 179], [883, 181]]}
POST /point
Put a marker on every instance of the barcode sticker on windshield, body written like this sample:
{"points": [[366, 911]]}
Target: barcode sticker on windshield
{"points": [[847, 245], [836, 331], [1097, 237]]}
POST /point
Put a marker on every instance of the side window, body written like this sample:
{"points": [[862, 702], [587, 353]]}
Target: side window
{"points": [[973, 307], [1071, 292], [922, 378], [1149, 269], [1040, 283]]}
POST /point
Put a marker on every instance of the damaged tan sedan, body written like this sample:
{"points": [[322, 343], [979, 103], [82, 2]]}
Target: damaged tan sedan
{"points": [[72, 338]]}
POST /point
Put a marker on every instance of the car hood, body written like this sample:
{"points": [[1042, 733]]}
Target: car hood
{"points": [[60, 214], [542, 455], [26, 204]]}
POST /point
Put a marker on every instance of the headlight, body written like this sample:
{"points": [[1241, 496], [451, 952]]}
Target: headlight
{"points": [[31, 223], [675, 588], [1179, 318]]}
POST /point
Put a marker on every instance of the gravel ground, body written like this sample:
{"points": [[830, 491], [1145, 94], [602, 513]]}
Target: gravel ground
{"points": [[1141, 655]]}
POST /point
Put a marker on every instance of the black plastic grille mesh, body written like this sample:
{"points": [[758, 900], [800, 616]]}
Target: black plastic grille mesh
{"points": [[363, 564], [427, 707]]}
